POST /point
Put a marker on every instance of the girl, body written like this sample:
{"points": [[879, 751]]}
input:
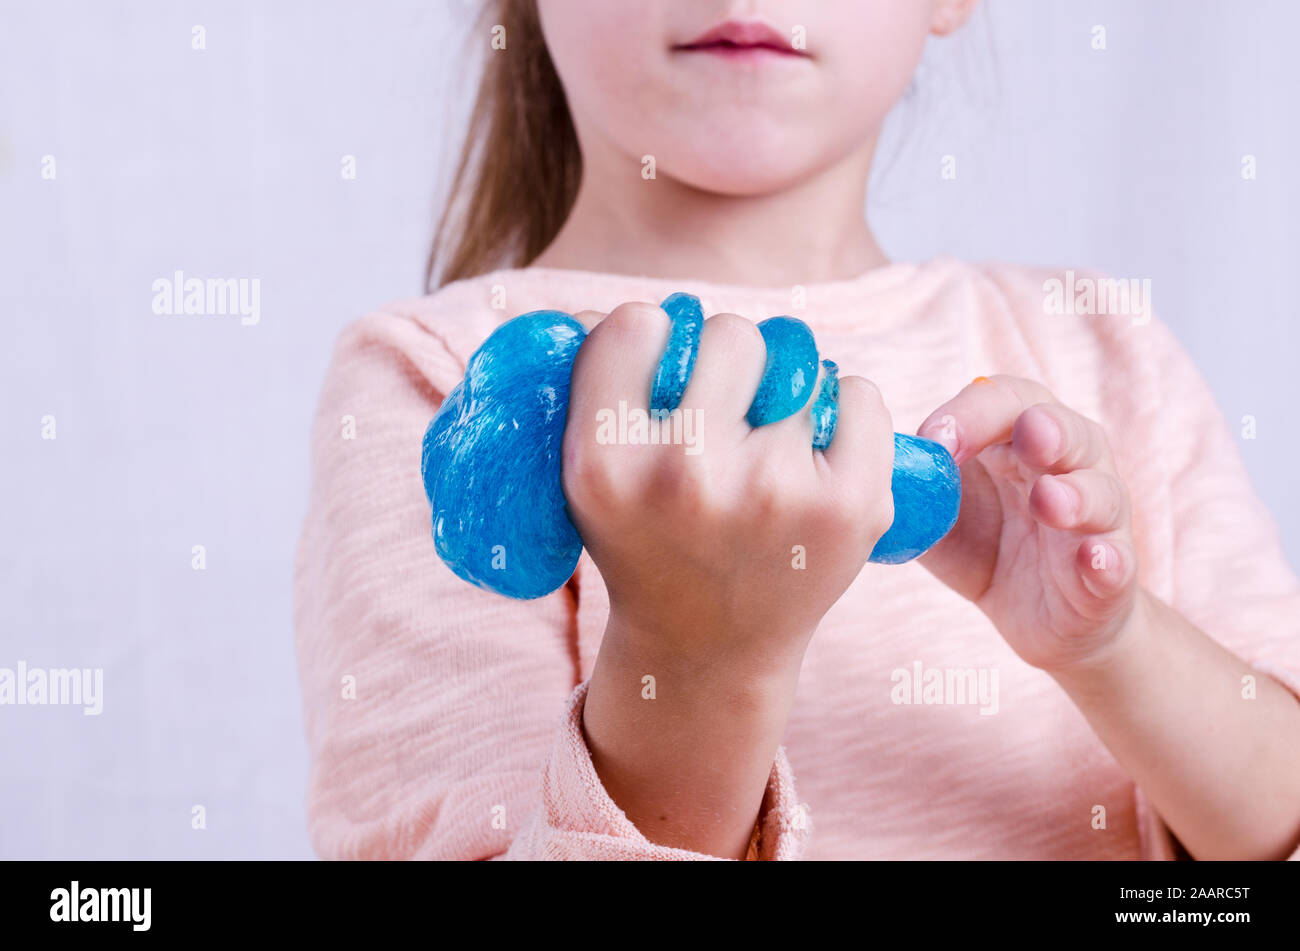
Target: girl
{"points": [[1099, 661]]}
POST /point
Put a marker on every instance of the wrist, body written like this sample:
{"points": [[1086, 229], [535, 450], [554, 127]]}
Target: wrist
{"points": [[683, 739], [1123, 661], [733, 661]]}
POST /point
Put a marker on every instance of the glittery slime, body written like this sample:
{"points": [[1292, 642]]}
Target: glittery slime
{"points": [[491, 455]]}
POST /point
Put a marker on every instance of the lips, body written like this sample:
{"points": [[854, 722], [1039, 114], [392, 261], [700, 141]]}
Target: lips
{"points": [[742, 38]]}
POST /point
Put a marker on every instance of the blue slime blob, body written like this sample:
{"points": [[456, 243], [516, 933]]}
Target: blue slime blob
{"points": [[790, 373], [825, 410], [491, 460], [491, 454], [927, 494], [926, 482], [678, 361]]}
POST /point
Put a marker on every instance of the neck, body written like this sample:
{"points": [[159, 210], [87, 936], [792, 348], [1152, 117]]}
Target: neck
{"points": [[810, 232]]}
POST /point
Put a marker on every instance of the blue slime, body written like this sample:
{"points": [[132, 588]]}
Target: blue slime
{"points": [[491, 455]]}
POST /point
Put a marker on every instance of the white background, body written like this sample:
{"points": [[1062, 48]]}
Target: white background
{"points": [[174, 432]]}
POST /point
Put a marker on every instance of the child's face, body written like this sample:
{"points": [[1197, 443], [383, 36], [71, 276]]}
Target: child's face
{"points": [[643, 79]]}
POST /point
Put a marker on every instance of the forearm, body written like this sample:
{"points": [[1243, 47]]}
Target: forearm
{"points": [[1222, 770], [689, 761]]}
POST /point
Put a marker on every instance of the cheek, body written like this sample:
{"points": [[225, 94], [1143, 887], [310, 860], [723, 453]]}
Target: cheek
{"points": [[606, 54], [875, 55]]}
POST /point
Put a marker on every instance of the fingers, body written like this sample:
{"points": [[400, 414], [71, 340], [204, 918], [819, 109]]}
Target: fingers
{"points": [[1107, 566], [617, 361], [862, 452], [798, 432], [1086, 500], [1055, 438], [983, 414], [1005, 409], [727, 370], [612, 372]]}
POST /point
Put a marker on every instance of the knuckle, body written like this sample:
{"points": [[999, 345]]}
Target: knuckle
{"points": [[1020, 391], [734, 331], [1046, 410], [685, 485], [768, 493], [768, 505], [1065, 422], [634, 318], [866, 404], [671, 476], [590, 475], [861, 389]]}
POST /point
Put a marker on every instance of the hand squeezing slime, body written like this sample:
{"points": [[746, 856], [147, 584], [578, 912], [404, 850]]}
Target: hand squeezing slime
{"points": [[491, 455]]}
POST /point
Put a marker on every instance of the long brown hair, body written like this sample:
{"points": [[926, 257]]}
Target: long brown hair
{"points": [[519, 168]]}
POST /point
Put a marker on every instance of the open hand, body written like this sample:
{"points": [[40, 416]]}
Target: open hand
{"points": [[1042, 544]]}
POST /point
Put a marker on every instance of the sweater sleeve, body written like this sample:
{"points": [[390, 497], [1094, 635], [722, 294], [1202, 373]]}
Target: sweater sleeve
{"points": [[436, 713], [1230, 575]]}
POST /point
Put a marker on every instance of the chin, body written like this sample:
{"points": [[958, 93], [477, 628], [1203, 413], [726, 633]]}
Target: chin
{"points": [[735, 180], [743, 164]]}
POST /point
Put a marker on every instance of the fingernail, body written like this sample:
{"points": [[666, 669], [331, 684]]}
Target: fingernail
{"points": [[944, 432]]}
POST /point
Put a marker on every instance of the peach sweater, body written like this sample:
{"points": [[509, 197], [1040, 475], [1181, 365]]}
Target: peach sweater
{"points": [[444, 722]]}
